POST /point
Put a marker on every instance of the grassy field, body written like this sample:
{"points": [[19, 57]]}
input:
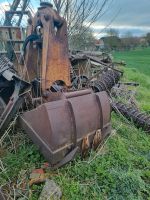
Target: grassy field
{"points": [[138, 70], [138, 59], [118, 171]]}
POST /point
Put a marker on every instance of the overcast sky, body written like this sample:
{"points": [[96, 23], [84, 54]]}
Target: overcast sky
{"points": [[128, 15], [125, 15]]}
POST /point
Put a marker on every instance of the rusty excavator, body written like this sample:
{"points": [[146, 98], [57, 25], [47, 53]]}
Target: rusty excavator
{"points": [[60, 119]]}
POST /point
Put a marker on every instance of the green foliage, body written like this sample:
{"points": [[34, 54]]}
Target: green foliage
{"points": [[36, 191], [112, 42], [26, 157], [128, 185]]}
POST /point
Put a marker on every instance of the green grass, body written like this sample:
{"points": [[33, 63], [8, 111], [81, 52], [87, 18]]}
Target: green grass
{"points": [[119, 171], [138, 59], [138, 70]]}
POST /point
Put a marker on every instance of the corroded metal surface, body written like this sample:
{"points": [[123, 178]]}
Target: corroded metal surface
{"points": [[50, 61], [141, 120], [11, 39], [59, 127], [106, 82]]}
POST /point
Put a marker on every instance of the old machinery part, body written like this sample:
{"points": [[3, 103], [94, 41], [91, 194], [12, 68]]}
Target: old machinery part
{"points": [[47, 38], [106, 82], [9, 14], [11, 41], [12, 35], [12, 91], [79, 81], [68, 125], [49, 96], [141, 120]]}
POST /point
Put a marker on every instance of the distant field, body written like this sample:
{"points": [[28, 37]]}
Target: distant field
{"points": [[138, 59], [137, 70]]}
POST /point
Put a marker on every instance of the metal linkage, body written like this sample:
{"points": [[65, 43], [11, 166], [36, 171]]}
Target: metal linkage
{"points": [[106, 82], [141, 120]]}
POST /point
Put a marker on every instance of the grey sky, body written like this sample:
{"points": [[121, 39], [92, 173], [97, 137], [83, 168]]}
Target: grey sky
{"points": [[134, 16]]}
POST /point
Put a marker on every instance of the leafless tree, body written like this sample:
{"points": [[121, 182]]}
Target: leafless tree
{"points": [[81, 13]]}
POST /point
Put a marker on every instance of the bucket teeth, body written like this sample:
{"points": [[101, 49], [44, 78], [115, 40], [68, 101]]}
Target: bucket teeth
{"points": [[97, 139], [85, 146]]}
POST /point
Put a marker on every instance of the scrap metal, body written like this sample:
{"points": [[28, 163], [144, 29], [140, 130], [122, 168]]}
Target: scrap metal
{"points": [[12, 91], [141, 120], [11, 34], [49, 45], [106, 81], [22, 5], [11, 39], [64, 124]]}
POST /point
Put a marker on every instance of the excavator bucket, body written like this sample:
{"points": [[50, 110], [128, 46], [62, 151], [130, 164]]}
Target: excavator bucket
{"points": [[78, 121]]}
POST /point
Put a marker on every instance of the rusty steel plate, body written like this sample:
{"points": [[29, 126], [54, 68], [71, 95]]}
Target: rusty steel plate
{"points": [[58, 127]]}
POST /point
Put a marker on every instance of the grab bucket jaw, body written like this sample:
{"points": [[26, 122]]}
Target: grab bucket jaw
{"points": [[59, 127]]}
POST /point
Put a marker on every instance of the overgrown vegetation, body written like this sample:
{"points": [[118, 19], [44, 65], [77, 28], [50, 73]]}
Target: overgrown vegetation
{"points": [[120, 170]]}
